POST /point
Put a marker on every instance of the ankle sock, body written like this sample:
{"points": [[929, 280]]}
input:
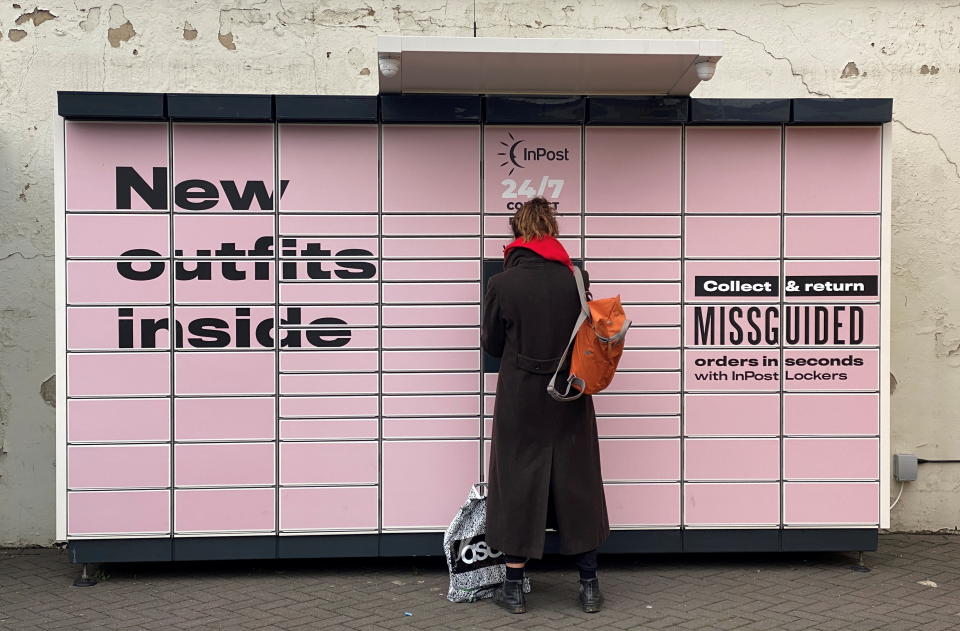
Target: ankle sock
{"points": [[586, 575], [514, 573]]}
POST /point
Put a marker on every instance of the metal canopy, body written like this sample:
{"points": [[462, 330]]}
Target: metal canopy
{"points": [[502, 65]]}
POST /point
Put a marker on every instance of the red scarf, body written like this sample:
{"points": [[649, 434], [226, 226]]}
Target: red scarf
{"points": [[548, 247]]}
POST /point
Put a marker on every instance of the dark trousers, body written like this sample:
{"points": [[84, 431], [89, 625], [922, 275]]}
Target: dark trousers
{"points": [[585, 560]]}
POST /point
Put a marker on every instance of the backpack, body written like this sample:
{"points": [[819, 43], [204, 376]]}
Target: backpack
{"points": [[597, 342]]}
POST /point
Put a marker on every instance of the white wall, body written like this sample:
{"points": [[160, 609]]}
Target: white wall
{"points": [[904, 50]]}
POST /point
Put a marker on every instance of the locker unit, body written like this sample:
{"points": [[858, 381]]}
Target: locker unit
{"points": [[269, 308]]}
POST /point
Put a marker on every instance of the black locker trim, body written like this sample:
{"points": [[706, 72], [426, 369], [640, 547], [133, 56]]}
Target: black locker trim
{"points": [[740, 111], [326, 108], [224, 548], [534, 110], [431, 108], [120, 550], [470, 109], [220, 107], [637, 110], [643, 542], [830, 539], [840, 111], [411, 544], [746, 540], [639, 541], [328, 546], [133, 106]]}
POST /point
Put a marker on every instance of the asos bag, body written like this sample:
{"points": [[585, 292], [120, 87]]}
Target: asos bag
{"points": [[597, 342], [476, 569]]}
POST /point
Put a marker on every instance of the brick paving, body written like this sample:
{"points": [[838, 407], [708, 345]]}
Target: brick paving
{"points": [[794, 592]]}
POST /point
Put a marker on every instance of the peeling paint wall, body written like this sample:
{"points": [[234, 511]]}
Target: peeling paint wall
{"points": [[908, 51]]}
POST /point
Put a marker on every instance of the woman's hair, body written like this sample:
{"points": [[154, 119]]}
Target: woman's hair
{"points": [[534, 220]]}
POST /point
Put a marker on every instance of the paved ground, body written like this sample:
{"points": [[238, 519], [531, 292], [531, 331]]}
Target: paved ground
{"points": [[711, 592]]}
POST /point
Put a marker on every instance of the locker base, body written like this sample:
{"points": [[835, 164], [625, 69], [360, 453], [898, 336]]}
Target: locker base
{"points": [[430, 544]]}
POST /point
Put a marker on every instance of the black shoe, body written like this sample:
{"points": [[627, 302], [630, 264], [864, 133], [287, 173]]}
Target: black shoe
{"points": [[510, 596], [590, 597]]}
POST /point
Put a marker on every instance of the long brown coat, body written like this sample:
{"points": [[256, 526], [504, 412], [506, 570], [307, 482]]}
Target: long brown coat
{"points": [[543, 450]]}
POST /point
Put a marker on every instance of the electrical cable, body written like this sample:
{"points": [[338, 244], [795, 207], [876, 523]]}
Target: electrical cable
{"points": [[920, 461], [898, 496]]}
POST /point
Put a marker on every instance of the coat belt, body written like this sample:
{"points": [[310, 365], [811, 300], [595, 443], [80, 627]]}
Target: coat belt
{"points": [[537, 365]]}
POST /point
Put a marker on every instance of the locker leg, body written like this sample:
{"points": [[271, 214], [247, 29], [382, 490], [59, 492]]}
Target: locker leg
{"points": [[86, 578], [859, 566]]}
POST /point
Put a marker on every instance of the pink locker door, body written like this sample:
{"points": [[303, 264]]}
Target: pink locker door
{"points": [[425, 482]]}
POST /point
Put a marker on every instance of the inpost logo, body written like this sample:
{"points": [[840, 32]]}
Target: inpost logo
{"points": [[515, 154]]}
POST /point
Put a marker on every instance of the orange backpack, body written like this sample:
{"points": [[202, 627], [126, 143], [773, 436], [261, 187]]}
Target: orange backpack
{"points": [[597, 342]]}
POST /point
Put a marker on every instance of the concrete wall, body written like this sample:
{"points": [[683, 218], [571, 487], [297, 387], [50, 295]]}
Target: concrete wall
{"points": [[904, 50]]}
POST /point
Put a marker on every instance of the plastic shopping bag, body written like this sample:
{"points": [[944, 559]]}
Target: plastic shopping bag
{"points": [[476, 569]]}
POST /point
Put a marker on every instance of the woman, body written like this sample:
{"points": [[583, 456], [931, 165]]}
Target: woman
{"points": [[545, 462]]}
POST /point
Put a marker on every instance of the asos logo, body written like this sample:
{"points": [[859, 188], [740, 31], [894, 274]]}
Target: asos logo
{"points": [[515, 154], [476, 552]]}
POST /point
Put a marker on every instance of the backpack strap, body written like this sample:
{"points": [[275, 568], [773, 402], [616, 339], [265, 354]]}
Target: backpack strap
{"points": [[581, 290], [572, 380]]}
